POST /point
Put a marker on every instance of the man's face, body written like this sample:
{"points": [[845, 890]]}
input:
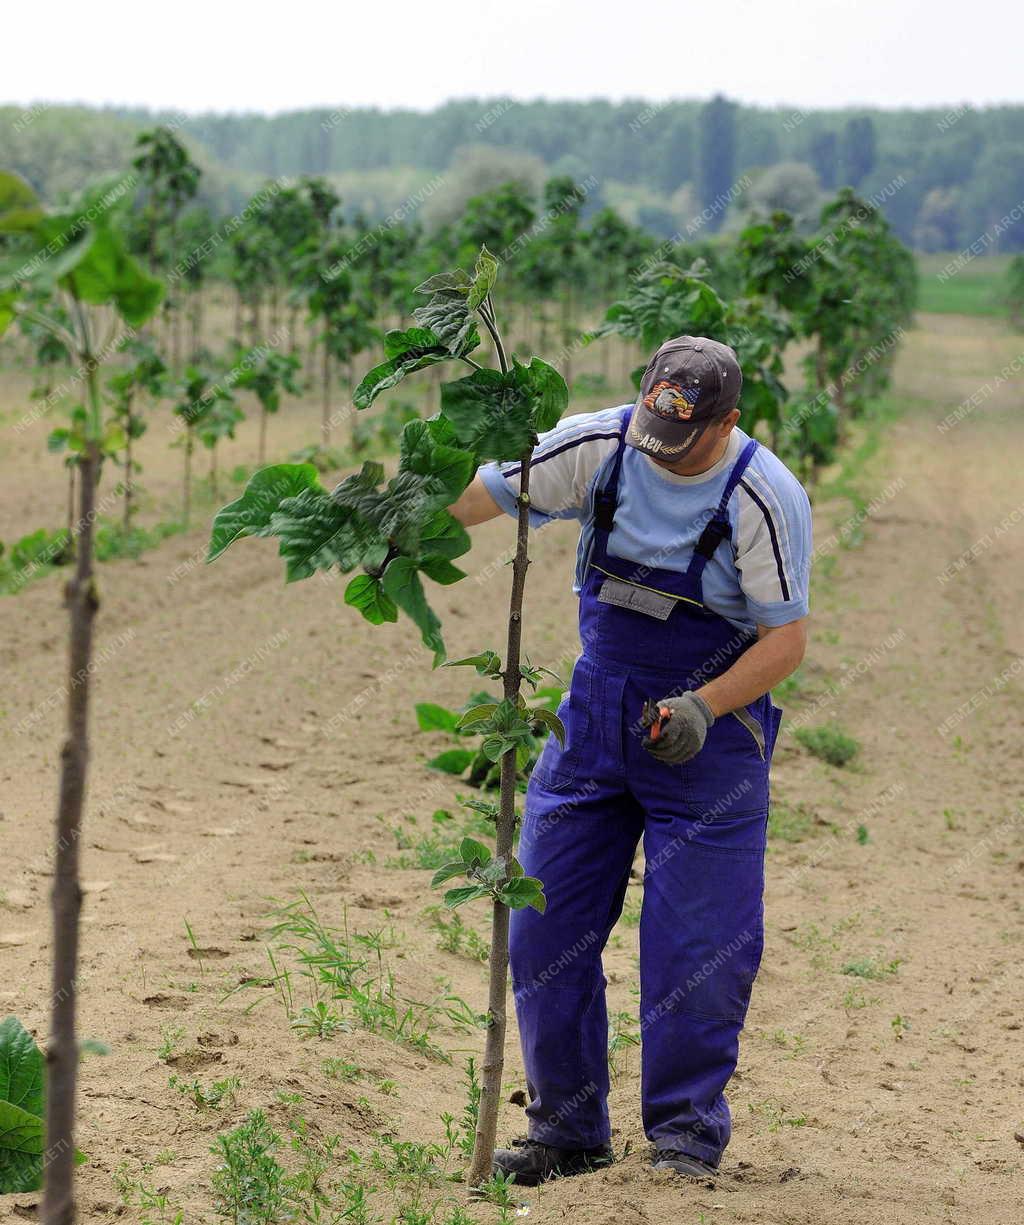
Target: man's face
{"points": [[708, 450]]}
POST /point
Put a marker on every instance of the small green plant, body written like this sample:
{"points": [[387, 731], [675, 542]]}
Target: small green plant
{"points": [[318, 1021], [863, 837], [170, 1037], [622, 1033], [220, 1093], [455, 936], [900, 1026], [249, 1182], [341, 1069], [790, 822], [829, 742], [873, 968]]}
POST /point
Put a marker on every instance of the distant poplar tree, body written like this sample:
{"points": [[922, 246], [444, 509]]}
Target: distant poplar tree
{"points": [[858, 149], [823, 154], [716, 155]]}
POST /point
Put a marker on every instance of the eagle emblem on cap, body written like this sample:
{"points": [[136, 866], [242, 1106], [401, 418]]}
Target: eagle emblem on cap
{"points": [[672, 401]]}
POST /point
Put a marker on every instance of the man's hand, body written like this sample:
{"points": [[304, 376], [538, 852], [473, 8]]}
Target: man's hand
{"points": [[683, 734]]}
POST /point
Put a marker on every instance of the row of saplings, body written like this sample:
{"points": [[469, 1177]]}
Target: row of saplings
{"points": [[388, 534]]}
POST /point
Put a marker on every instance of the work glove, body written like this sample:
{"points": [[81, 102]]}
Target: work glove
{"points": [[681, 735]]}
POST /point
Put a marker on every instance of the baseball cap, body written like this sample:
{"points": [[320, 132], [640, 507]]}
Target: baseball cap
{"points": [[689, 383]]}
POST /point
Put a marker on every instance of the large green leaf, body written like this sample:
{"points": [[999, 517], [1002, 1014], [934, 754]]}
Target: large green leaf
{"points": [[21, 1067], [499, 415], [485, 274], [402, 583], [448, 314], [316, 534], [108, 274], [406, 351], [250, 514], [434, 718], [429, 449], [21, 1150]]}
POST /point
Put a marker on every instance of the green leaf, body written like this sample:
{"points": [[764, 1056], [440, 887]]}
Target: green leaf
{"points": [[523, 891], [549, 395], [107, 274], [477, 714], [474, 853], [551, 721], [21, 1067], [250, 514], [447, 314], [491, 414], [20, 209], [316, 534], [434, 718], [402, 583], [442, 535], [441, 570], [457, 867], [452, 761], [485, 274], [487, 663], [465, 893], [366, 593], [426, 449], [406, 351], [21, 1149], [484, 807]]}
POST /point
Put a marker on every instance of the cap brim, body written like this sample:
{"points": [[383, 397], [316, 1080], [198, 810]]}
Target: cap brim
{"points": [[666, 440]]}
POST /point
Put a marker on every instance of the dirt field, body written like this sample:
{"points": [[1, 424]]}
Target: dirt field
{"points": [[254, 741]]}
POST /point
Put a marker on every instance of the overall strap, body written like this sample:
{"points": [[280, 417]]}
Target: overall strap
{"points": [[718, 527], [606, 499]]}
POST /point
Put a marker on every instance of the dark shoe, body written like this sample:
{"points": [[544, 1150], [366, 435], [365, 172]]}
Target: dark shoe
{"points": [[683, 1163], [532, 1162]]}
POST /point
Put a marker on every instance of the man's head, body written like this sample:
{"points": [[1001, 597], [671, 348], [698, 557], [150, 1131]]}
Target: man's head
{"points": [[687, 400]]}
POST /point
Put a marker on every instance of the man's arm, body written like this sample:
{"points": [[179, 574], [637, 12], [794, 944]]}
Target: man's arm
{"points": [[776, 654], [475, 504]]}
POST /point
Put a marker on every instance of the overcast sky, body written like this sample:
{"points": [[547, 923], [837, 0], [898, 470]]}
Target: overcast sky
{"points": [[214, 55]]}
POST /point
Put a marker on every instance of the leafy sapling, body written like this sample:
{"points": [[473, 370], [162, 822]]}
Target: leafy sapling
{"points": [[401, 531]]}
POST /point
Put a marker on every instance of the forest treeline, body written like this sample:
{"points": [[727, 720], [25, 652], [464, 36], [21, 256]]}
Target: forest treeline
{"points": [[945, 178]]}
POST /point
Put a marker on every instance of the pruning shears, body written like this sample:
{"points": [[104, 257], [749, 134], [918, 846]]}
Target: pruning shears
{"points": [[654, 718]]}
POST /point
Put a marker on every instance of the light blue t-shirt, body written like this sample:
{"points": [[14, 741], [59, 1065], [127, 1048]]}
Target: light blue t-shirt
{"points": [[761, 580]]}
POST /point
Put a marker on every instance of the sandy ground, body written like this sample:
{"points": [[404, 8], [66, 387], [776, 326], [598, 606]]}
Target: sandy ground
{"points": [[254, 741]]}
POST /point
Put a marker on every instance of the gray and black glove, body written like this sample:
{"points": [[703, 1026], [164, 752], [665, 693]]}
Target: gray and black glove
{"points": [[681, 735]]}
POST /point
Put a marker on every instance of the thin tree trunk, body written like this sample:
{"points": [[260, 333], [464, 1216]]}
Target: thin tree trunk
{"points": [[214, 483], [261, 458], [187, 498], [497, 1000], [62, 1048], [128, 474], [325, 410], [71, 509]]}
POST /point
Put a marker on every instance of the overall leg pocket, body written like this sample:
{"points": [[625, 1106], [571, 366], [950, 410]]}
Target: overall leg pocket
{"points": [[729, 776], [558, 765]]}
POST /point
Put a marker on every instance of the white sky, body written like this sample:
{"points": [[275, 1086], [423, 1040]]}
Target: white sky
{"points": [[193, 56]]}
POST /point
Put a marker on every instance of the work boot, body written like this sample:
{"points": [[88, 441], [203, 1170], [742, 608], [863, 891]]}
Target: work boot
{"points": [[683, 1163], [533, 1162]]}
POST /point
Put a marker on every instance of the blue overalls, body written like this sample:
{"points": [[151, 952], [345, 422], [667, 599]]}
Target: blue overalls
{"points": [[703, 827]]}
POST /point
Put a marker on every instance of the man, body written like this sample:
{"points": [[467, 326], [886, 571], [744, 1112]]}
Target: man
{"points": [[692, 576]]}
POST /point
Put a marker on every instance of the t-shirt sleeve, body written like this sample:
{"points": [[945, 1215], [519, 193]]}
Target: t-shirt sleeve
{"points": [[774, 545], [564, 463]]}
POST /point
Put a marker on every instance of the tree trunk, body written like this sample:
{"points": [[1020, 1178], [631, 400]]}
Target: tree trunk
{"points": [[62, 1048], [71, 509], [325, 410], [262, 457], [187, 496], [214, 483], [128, 474], [497, 999]]}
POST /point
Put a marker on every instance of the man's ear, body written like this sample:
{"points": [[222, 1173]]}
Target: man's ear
{"points": [[728, 422]]}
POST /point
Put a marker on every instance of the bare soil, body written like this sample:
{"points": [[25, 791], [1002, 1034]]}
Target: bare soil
{"points": [[255, 741]]}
